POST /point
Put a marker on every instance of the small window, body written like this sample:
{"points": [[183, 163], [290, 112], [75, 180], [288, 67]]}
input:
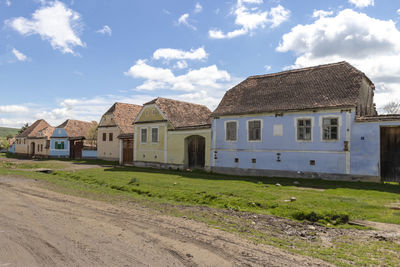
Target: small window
{"points": [[104, 137], [154, 135], [254, 130], [304, 129], [143, 135], [146, 113], [231, 131], [330, 128], [153, 111], [38, 147], [110, 137], [41, 147]]}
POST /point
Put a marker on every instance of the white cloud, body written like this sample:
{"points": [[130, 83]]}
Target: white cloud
{"points": [[362, 3], [267, 67], [106, 30], [249, 17], [13, 109], [7, 2], [55, 23], [198, 8], [398, 11], [370, 44], [321, 13], [169, 54], [181, 64], [20, 56], [184, 20]]}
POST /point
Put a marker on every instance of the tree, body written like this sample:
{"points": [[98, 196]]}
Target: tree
{"points": [[23, 128], [92, 136], [9, 136], [392, 107], [3, 144]]}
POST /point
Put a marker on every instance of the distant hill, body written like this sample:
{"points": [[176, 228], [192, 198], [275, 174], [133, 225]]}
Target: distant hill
{"points": [[4, 131]]}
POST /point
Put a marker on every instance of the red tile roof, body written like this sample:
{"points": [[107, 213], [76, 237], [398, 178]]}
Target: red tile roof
{"points": [[32, 130]]}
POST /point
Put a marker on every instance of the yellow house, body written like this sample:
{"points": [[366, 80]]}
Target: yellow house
{"points": [[115, 133], [25, 142], [40, 143], [172, 134]]}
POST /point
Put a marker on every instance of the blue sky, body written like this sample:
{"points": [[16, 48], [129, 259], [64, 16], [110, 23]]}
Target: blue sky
{"points": [[74, 58]]}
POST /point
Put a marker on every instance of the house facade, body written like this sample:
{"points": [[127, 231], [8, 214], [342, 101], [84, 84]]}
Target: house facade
{"points": [[172, 134], [115, 133], [313, 122], [26, 143], [41, 142], [68, 139]]}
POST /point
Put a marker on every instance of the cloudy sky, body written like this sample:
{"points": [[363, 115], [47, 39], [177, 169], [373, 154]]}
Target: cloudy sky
{"points": [[74, 58]]}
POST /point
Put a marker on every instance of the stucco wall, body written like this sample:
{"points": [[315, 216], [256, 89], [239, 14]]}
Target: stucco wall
{"points": [[22, 148], [89, 154], [177, 151], [149, 113], [329, 156], [59, 135], [11, 149], [38, 152], [108, 150], [149, 151]]}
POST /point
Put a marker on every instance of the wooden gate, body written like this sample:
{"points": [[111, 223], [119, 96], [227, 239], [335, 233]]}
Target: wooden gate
{"points": [[127, 151], [75, 149], [390, 154], [196, 151]]}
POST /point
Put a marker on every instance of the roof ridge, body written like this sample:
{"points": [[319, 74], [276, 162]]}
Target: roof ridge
{"points": [[300, 70], [180, 101]]}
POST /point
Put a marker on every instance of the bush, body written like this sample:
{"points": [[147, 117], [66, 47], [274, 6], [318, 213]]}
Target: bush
{"points": [[335, 219]]}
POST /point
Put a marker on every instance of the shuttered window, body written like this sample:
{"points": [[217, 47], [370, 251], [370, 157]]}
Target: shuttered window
{"points": [[231, 131], [254, 128], [154, 135], [143, 135]]}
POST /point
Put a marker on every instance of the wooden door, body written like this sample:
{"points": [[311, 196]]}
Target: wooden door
{"points": [[75, 149], [127, 155], [196, 151], [390, 154]]}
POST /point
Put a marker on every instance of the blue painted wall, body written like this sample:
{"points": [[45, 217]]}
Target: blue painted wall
{"points": [[59, 135], [365, 147], [329, 156], [11, 149], [89, 154]]}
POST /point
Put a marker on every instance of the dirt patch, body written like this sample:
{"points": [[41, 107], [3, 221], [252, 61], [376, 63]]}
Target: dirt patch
{"points": [[39, 227]]}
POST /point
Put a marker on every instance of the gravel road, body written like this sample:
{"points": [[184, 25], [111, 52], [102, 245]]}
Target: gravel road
{"points": [[39, 227]]}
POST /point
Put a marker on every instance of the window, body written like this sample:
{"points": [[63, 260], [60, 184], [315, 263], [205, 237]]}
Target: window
{"points": [[231, 131], [153, 111], [304, 129], [104, 137], [38, 147], [143, 135], [146, 113], [154, 135], [41, 147], [59, 145], [110, 137], [254, 130], [330, 128]]}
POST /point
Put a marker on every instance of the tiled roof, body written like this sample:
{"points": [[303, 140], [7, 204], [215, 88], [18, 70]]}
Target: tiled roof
{"points": [[44, 133], [75, 128], [124, 115], [326, 86], [32, 130], [183, 114]]}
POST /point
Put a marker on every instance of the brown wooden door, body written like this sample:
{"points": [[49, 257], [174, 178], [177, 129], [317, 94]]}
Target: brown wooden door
{"points": [[127, 155], [75, 149], [390, 154], [196, 151]]}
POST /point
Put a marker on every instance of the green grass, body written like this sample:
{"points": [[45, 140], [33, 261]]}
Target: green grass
{"points": [[326, 202]]}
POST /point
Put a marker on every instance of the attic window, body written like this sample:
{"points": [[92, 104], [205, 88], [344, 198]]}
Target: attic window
{"points": [[146, 113], [153, 111]]}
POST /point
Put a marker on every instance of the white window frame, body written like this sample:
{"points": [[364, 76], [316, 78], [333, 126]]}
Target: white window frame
{"points": [[237, 130], [158, 135], [141, 134], [261, 130], [312, 129], [321, 124]]}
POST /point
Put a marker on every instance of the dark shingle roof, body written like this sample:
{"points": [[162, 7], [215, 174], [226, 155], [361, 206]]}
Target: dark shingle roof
{"points": [[183, 114], [326, 86], [124, 115], [32, 130], [75, 128]]}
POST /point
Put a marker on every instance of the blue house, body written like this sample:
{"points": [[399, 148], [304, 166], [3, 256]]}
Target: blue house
{"points": [[68, 139], [316, 122]]}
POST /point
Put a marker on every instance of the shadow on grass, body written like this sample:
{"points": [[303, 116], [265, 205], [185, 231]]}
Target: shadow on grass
{"points": [[303, 182]]}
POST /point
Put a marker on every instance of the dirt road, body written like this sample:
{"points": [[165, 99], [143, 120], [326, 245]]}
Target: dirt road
{"points": [[39, 227]]}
